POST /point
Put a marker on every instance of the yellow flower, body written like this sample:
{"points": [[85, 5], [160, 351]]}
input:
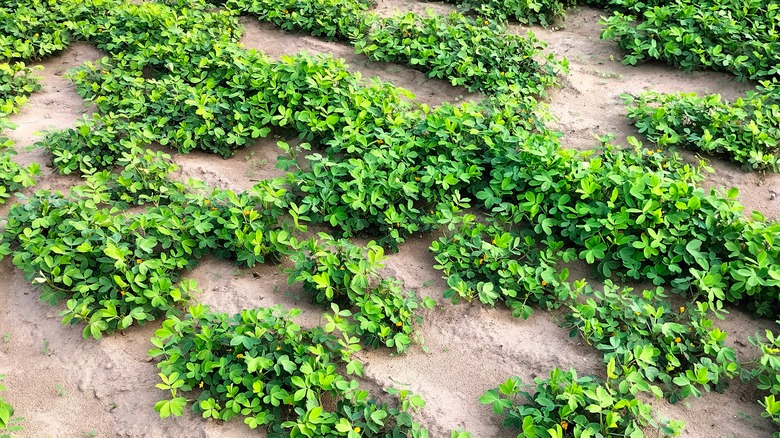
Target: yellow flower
{"points": [[564, 425], [278, 348], [649, 152], [544, 283], [638, 313], [399, 324], [239, 356], [246, 212], [139, 261], [677, 340], [356, 429], [122, 293], [682, 309], [206, 201], [485, 23], [200, 385]]}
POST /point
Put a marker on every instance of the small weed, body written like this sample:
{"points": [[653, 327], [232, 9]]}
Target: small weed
{"points": [[604, 74]]}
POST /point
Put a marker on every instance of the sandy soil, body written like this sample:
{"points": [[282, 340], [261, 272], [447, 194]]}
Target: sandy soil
{"points": [[67, 386]]}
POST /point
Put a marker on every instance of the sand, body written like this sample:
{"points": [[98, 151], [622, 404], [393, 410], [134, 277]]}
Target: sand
{"points": [[68, 386]]}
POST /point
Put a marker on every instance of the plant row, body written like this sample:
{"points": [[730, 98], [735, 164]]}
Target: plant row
{"points": [[542, 12], [118, 269], [564, 404], [746, 131], [738, 36], [261, 366], [476, 53], [465, 50], [35, 29], [469, 51]]}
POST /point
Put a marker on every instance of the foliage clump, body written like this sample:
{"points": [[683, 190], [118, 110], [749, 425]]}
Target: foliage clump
{"points": [[746, 131], [346, 276], [489, 263], [738, 36], [261, 366], [652, 343], [566, 405], [17, 82], [473, 52], [117, 268]]}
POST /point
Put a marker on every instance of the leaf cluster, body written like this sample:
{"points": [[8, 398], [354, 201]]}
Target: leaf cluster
{"points": [[566, 405], [117, 268], [17, 81], [745, 131], [654, 344], [639, 214], [473, 52], [541, 12], [739, 36], [334, 19], [492, 264], [346, 276], [261, 366]]}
